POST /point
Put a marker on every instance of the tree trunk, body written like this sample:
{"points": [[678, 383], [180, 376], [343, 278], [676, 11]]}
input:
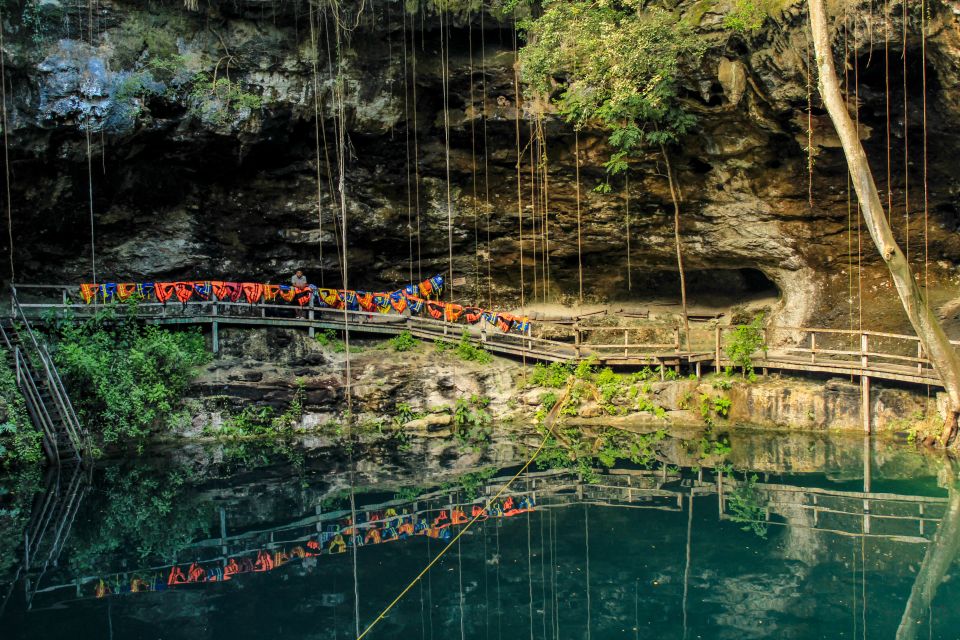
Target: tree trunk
{"points": [[940, 555], [924, 321], [676, 238]]}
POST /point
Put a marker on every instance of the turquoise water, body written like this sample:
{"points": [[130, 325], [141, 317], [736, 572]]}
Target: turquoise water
{"points": [[789, 548]]}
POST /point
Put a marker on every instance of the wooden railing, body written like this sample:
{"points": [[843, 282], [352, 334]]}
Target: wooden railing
{"points": [[631, 341]]}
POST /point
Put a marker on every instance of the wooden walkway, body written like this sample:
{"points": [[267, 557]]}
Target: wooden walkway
{"points": [[609, 340]]}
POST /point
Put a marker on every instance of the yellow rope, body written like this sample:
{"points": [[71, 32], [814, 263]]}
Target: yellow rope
{"points": [[550, 421]]}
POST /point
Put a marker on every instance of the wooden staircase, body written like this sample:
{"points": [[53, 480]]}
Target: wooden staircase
{"points": [[46, 398]]}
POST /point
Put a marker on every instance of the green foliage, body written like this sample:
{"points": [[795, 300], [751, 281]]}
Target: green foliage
{"points": [[145, 34], [19, 439], [621, 60], [134, 85], [168, 68], [609, 383], [708, 447], [638, 448], [472, 423], [403, 342], [472, 483], [746, 340], [148, 513], [17, 492], [442, 346], [748, 506], [711, 406], [745, 16], [549, 401], [468, 351], [126, 378], [585, 368], [404, 414], [32, 19], [328, 339], [219, 100], [722, 384], [667, 373], [553, 375], [571, 451], [408, 494]]}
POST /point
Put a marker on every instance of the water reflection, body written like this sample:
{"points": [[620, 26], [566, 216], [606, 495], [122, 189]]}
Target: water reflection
{"points": [[859, 548]]}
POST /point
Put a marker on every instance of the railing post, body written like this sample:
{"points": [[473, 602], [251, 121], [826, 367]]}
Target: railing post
{"points": [[765, 342], [16, 359], [310, 315], [214, 325], [626, 342], [577, 338], [716, 339], [919, 358], [813, 347], [864, 348], [865, 403]]}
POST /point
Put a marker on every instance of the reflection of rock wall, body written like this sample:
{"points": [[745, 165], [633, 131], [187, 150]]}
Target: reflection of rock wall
{"points": [[193, 179]]}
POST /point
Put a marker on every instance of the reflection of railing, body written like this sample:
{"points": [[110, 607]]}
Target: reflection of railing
{"points": [[847, 513], [660, 489]]}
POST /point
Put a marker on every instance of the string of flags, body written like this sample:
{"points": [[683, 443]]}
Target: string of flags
{"points": [[380, 527], [420, 299]]}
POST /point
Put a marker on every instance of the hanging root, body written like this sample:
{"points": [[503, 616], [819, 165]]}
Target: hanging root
{"points": [[949, 427]]}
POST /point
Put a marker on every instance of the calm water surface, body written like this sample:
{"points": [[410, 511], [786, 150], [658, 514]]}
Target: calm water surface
{"points": [[786, 538]]}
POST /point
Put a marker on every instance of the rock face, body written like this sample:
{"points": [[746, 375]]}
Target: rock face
{"points": [[197, 134]]}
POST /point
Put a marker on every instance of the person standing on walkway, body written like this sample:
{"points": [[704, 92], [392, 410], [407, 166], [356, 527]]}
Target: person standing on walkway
{"points": [[299, 281]]}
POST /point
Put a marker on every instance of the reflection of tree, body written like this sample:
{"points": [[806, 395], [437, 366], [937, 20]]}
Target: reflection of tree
{"points": [[940, 555], [140, 513], [16, 495], [748, 506]]}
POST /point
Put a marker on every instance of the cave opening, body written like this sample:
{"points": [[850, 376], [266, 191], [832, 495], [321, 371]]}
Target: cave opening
{"points": [[722, 287]]}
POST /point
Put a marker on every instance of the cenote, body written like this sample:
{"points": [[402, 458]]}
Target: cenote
{"points": [[486, 319], [785, 536]]}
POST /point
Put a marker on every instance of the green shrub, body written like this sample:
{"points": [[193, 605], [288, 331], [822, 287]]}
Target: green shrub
{"points": [[748, 507], [468, 351], [472, 422], [585, 368], [554, 375], [403, 342], [549, 401], [609, 384], [745, 16], [126, 378], [747, 339], [220, 100], [19, 439], [128, 507]]}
